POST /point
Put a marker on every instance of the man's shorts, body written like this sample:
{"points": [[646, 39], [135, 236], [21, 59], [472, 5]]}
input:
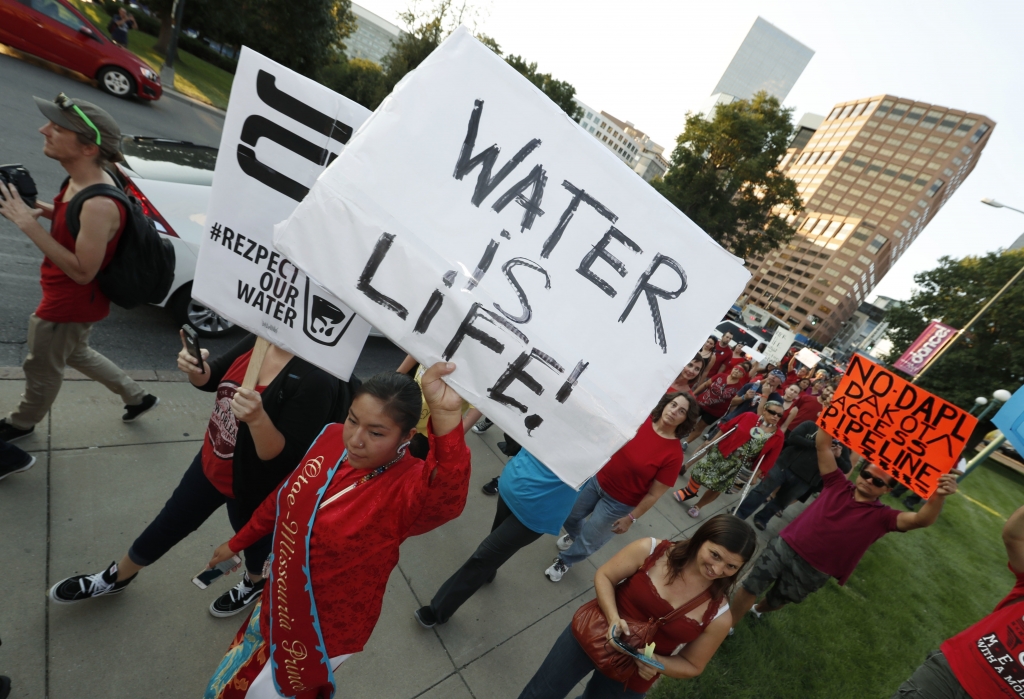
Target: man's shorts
{"points": [[789, 576], [932, 680]]}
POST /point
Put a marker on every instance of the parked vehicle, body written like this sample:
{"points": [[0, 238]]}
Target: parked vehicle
{"points": [[172, 181], [55, 31], [753, 338]]}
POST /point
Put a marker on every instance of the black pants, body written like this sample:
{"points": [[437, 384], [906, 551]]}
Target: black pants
{"points": [[507, 536], [790, 488], [191, 504]]}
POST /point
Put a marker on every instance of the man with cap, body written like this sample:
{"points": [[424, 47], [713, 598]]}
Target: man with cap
{"points": [[84, 139]]}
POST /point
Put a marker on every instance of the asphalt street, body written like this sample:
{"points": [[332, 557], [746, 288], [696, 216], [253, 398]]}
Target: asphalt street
{"points": [[143, 338]]}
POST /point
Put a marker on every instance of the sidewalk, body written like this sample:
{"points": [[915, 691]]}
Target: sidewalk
{"points": [[98, 482]]}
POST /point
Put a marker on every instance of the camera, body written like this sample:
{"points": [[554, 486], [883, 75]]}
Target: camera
{"points": [[18, 177]]}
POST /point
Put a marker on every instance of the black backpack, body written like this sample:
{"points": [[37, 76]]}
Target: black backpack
{"points": [[142, 268]]}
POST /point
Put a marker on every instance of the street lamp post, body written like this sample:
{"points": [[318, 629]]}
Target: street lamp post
{"points": [[978, 402], [177, 13], [1001, 396], [972, 321]]}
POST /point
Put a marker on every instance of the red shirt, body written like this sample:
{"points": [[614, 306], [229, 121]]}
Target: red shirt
{"points": [[986, 658], [835, 530], [222, 432], [807, 408], [715, 398], [64, 299], [354, 542], [646, 458], [732, 441], [722, 353]]}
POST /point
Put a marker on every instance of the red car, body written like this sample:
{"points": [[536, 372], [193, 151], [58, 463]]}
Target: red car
{"points": [[57, 32]]}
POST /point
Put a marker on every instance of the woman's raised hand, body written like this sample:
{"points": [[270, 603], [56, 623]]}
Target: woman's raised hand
{"points": [[444, 403]]}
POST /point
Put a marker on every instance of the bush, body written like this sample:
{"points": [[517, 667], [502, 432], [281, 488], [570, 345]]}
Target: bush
{"points": [[360, 80]]}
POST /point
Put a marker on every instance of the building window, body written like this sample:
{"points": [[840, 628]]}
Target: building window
{"points": [[979, 133], [936, 186], [846, 111], [834, 114]]}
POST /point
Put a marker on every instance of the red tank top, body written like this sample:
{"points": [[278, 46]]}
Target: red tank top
{"points": [[638, 599], [64, 299]]}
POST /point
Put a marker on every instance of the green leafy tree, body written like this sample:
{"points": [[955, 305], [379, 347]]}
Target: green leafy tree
{"points": [[358, 79], [725, 175], [303, 35], [991, 354], [560, 92]]}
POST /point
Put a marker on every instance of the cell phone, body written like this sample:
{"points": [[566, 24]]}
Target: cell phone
{"points": [[192, 345], [203, 579], [634, 652]]}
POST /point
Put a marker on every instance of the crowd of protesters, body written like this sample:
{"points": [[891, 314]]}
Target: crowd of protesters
{"points": [[322, 480]]}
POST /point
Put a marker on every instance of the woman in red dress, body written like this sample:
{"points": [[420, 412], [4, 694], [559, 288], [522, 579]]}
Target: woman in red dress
{"points": [[684, 584], [338, 521]]}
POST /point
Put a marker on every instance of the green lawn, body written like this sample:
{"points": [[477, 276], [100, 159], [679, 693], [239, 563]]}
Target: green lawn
{"points": [[192, 76], [909, 593]]}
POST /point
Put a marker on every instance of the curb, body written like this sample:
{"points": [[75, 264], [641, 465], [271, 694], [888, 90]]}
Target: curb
{"points": [[15, 373], [174, 94]]}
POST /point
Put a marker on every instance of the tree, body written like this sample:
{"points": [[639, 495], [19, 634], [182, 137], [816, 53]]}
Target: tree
{"points": [[426, 31], [303, 35], [725, 175], [560, 92], [358, 79], [991, 354]]}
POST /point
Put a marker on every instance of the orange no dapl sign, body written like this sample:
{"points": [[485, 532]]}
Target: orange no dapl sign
{"points": [[911, 434]]}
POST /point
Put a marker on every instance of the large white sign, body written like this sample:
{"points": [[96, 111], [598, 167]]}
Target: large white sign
{"points": [[471, 220], [780, 343], [281, 131]]}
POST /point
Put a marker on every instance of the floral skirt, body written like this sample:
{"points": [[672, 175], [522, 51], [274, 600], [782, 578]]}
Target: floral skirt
{"points": [[716, 472]]}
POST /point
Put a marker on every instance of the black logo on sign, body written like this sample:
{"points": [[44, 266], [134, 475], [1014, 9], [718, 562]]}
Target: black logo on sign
{"points": [[322, 320], [257, 127]]}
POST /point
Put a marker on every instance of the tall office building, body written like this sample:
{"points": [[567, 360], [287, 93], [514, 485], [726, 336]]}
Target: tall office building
{"points": [[372, 38], [871, 176], [631, 145], [768, 59]]}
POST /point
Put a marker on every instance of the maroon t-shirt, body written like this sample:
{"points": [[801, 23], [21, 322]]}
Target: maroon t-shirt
{"points": [[807, 408], [986, 658], [835, 530]]}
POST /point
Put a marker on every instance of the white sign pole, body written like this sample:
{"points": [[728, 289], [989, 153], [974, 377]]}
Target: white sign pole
{"points": [[471, 220], [281, 131]]}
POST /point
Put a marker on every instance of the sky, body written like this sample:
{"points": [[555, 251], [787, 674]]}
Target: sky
{"points": [[651, 62]]}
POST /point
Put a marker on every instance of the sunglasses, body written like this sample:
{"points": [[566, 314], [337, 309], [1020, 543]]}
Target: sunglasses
{"points": [[772, 412], [874, 480], [65, 103]]}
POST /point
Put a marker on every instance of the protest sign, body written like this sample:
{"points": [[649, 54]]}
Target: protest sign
{"points": [[281, 131], [1010, 420], [927, 344], [471, 220], [808, 357], [780, 343], [911, 434]]}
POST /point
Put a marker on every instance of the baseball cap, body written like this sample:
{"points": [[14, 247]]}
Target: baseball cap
{"points": [[88, 120], [778, 374]]}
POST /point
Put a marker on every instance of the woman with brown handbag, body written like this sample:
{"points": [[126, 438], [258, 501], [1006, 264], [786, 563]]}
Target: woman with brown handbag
{"points": [[671, 595]]}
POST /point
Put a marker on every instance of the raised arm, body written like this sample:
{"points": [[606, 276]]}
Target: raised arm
{"points": [[929, 512], [1013, 539], [826, 459]]}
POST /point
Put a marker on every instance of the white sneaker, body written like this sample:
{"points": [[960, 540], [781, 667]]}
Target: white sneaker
{"points": [[694, 512], [757, 614], [563, 542], [556, 570]]}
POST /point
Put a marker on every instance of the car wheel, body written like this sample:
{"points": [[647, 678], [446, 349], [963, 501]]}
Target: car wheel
{"points": [[205, 321], [116, 81]]}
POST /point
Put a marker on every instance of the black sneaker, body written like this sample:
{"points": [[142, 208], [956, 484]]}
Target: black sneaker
{"points": [[5, 686], [80, 587], [9, 433], [425, 617], [482, 426], [134, 412], [237, 598], [17, 468], [491, 486]]}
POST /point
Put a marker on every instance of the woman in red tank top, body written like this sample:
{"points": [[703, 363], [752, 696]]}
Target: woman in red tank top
{"points": [[685, 584]]}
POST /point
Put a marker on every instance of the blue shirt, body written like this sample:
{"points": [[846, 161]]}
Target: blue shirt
{"points": [[535, 495]]}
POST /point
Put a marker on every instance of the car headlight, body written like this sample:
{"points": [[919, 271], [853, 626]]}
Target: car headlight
{"points": [[149, 74]]}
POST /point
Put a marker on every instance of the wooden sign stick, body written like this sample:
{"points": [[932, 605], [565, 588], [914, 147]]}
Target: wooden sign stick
{"points": [[259, 351]]}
